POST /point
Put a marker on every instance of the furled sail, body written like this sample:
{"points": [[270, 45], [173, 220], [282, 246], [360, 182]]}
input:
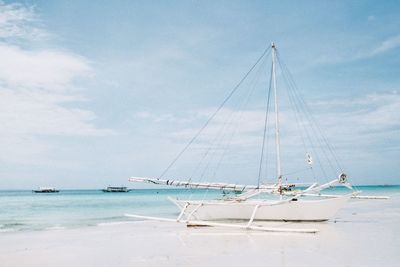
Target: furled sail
{"points": [[203, 185]]}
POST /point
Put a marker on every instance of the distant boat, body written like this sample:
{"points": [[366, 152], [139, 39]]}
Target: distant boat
{"points": [[116, 189], [46, 190]]}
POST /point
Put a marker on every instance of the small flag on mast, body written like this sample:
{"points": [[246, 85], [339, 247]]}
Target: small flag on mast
{"points": [[309, 159]]}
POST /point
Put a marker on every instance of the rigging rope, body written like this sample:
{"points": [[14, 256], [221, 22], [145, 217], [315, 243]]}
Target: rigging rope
{"points": [[300, 115], [315, 126], [235, 126], [215, 112], [233, 121], [316, 123], [265, 129], [217, 145]]}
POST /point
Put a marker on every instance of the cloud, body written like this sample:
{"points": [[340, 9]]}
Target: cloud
{"points": [[365, 121], [387, 45], [30, 112], [363, 128], [49, 69], [18, 21], [38, 92], [363, 51], [244, 123], [159, 118]]}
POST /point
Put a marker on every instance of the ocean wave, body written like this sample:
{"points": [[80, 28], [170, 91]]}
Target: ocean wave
{"points": [[6, 230], [11, 227]]}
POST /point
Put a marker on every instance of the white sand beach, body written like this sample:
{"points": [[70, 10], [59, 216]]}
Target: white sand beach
{"points": [[365, 233]]}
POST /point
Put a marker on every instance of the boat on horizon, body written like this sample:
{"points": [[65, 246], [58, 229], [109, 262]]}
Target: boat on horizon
{"points": [[116, 189], [43, 189]]}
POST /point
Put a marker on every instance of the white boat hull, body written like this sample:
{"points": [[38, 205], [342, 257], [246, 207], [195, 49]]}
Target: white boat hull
{"points": [[300, 210]]}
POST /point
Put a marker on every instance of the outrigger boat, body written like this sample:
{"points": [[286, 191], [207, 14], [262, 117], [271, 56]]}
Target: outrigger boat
{"points": [[116, 189], [46, 190], [291, 204]]}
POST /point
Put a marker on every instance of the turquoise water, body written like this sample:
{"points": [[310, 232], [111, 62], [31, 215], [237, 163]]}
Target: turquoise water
{"points": [[26, 211]]}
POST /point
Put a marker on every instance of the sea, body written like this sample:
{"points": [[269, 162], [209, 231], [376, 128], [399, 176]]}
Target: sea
{"points": [[23, 210]]}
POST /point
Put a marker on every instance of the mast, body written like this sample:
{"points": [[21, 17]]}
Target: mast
{"points": [[277, 140]]}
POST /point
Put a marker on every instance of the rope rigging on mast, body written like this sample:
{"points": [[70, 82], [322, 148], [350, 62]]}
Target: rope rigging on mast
{"points": [[215, 153], [215, 113]]}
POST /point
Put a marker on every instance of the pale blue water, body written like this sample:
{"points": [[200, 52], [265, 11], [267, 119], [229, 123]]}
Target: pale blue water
{"points": [[27, 211]]}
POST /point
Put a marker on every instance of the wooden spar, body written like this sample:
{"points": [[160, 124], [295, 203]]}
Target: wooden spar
{"points": [[222, 186], [229, 225], [310, 191], [252, 216], [353, 196], [271, 188], [256, 228], [150, 218], [317, 188], [182, 211], [371, 197], [193, 211]]}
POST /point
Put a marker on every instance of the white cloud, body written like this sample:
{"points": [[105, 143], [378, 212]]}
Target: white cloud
{"points": [[375, 111], [387, 45], [29, 112], [38, 92], [363, 128], [362, 51], [159, 118], [244, 124], [16, 21], [49, 69]]}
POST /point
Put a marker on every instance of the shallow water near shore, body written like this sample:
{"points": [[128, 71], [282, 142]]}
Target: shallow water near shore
{"points": [[22, 210], [87, 228]]}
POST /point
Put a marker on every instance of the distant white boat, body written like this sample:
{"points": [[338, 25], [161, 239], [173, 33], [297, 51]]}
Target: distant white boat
{"points": [[46, 190], [116, 189]]}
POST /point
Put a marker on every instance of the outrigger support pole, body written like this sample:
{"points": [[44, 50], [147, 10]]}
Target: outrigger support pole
{"points": [[227, 225], [182, 212], [253, 215]]}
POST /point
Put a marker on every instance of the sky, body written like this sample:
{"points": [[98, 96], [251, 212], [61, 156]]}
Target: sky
{"points": [[93, 92]]}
